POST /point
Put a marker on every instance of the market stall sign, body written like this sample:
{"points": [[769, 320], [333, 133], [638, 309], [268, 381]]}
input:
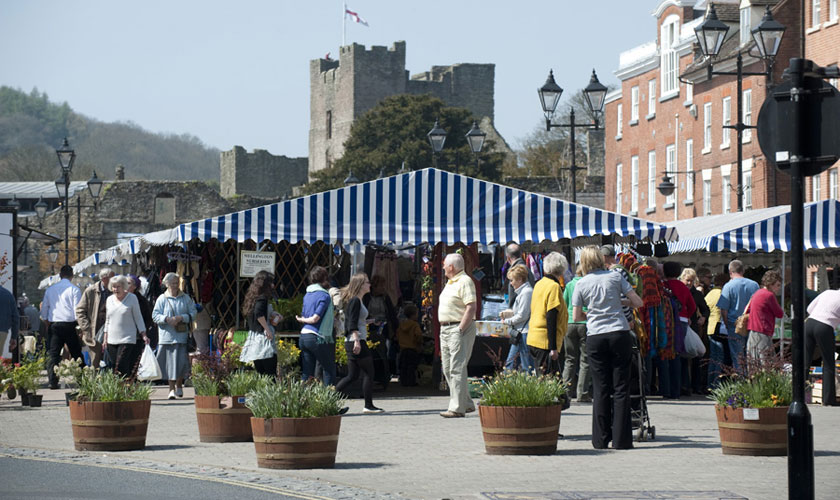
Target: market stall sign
{"points": [[250, 263]]}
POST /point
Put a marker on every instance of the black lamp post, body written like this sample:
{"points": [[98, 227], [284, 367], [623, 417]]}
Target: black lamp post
{"points": [[13, 203], [767, 37], [595, 94], [62, 186], [437, 137]]}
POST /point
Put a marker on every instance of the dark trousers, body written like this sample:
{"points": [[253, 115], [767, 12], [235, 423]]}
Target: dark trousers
{"points": [[359, 364], [609, 363], [61, 333], [669, 372], [543, 364], [822, 335], [267, 366], [122, 358], [408, 366]]}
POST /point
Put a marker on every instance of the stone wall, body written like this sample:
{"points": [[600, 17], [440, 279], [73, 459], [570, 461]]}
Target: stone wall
{"points": [[260, 173], [592, 193], [343, 90]]}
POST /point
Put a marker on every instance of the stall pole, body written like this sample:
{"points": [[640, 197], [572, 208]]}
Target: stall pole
{"points": [[236, 257]]}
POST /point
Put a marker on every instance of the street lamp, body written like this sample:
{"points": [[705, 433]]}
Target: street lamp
{"points": [[41, 208], [666, 187], [94, 186], [767, 37], [595, 94], [437, 136], [66, 157], [351, 180], [475, 139], [13, 203]]}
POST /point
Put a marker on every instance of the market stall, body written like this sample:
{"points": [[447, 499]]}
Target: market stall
{"points": [[425, 210]]}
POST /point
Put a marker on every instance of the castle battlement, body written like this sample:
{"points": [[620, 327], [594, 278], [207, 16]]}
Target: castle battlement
{"points": [[343, 90]]}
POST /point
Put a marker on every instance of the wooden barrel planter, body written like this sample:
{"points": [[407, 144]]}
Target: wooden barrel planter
{"points": [[762, 433], [520, 430], [109, 426], [296, 443], [222, 420]]}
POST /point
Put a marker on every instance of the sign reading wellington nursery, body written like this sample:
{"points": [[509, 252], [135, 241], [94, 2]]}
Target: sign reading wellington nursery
{"points": [[250, 263]]}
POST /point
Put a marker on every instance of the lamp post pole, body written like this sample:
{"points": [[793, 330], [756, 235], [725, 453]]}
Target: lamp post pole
{"points": [[66, 219]]}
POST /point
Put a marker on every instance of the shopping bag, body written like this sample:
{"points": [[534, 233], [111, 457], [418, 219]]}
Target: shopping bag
{"points": [[694, 347], [149, 369]]}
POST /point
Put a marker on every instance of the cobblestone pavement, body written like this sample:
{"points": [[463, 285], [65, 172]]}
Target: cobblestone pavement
{"points": [[410, 451]]}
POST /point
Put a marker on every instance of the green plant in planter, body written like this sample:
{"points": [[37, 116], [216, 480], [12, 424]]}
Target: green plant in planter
{"points": [[26, 373], [242, 382], [107, 386], [69, 369], [765, 383], [517, 388], [211, 370], [292, 398]]}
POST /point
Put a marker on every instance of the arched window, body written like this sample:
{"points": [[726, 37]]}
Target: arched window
{"points": [[164, 209]]}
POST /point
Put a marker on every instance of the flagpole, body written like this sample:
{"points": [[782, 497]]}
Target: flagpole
{"points": [[343, 25]]}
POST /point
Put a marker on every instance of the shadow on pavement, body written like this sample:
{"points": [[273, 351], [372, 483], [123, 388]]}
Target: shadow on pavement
{"points": [[682, 442], [166, 447], [826, 453], [360, 465]]}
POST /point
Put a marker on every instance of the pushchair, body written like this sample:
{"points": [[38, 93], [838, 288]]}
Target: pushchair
{"points": [[639, 416]]}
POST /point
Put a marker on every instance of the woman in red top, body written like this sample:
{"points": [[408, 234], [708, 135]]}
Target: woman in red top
{"points": [[677, 381], [764, 309]]}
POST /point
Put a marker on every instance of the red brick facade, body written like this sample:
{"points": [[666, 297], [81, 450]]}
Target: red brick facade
{"points": [[680, 118]]}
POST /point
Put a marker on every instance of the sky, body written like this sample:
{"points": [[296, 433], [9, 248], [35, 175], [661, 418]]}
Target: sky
{"points": [[237, 72]]}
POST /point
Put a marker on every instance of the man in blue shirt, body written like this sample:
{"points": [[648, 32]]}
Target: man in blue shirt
{"points": [[9, 320], [733, 300]]}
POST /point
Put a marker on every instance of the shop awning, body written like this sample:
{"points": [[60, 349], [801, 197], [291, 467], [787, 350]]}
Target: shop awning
{"points": [[759, 230], [423, 206]]}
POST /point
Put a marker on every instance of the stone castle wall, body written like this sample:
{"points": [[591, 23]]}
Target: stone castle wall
{"points": [[342, 91], [260, 173]]}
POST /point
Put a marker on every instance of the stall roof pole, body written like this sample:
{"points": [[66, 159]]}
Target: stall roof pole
{"points": [[238, 248]]}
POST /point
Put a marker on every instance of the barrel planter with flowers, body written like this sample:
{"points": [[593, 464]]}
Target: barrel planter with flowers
{"points": [[752, 410], [220, 384], [296, 424], [520, 414], [108, 412]]}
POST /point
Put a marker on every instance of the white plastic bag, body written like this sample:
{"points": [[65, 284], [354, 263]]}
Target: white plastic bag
{"points": [[149, 368], [694, 347]]}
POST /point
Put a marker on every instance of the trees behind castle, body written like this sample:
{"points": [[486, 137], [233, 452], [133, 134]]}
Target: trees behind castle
{"points": [[395, 131], [32, 127]]}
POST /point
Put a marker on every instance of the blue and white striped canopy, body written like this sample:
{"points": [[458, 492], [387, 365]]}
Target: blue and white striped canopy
{"points": [[759, 230], [422, 206]]}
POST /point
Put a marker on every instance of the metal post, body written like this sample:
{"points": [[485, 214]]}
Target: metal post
{"points": [[78, 228], [66, 220], [573, 167], [800, 430], [740, 131]]}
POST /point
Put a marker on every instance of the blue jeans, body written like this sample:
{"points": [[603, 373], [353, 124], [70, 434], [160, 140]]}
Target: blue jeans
{"points": [[520, 350], [310, 352], [717, 353], [737, 347]]}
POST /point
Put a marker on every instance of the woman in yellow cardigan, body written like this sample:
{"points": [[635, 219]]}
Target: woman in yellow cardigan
{"points": [[549, 315]]}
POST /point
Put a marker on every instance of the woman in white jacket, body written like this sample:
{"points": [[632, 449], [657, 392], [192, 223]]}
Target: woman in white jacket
{"points": [[123, 323]]}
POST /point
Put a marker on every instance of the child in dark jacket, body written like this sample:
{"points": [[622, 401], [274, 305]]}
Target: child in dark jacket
{"points": [[410, 338]]}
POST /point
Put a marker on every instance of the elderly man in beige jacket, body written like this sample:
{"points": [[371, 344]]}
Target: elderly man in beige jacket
{"points": [[90, 314]]}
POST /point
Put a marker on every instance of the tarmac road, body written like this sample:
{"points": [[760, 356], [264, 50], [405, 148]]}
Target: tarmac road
{"points": [[59, 479]]}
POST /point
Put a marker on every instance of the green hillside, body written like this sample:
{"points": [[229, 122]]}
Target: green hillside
{"points": [[32, 127]]}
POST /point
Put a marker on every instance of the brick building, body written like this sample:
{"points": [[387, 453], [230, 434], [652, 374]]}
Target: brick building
{"points": [[822, 45], [668, 114]]}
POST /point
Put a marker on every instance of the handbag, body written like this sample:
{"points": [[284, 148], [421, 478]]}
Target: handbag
{"points": [[182, 327], [741, 322]]}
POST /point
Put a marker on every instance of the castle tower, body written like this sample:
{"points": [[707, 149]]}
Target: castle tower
{"points": [[343, 90]]}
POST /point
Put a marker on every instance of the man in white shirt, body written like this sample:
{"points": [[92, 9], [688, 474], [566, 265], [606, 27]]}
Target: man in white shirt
{"points": [[58, 310]]}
